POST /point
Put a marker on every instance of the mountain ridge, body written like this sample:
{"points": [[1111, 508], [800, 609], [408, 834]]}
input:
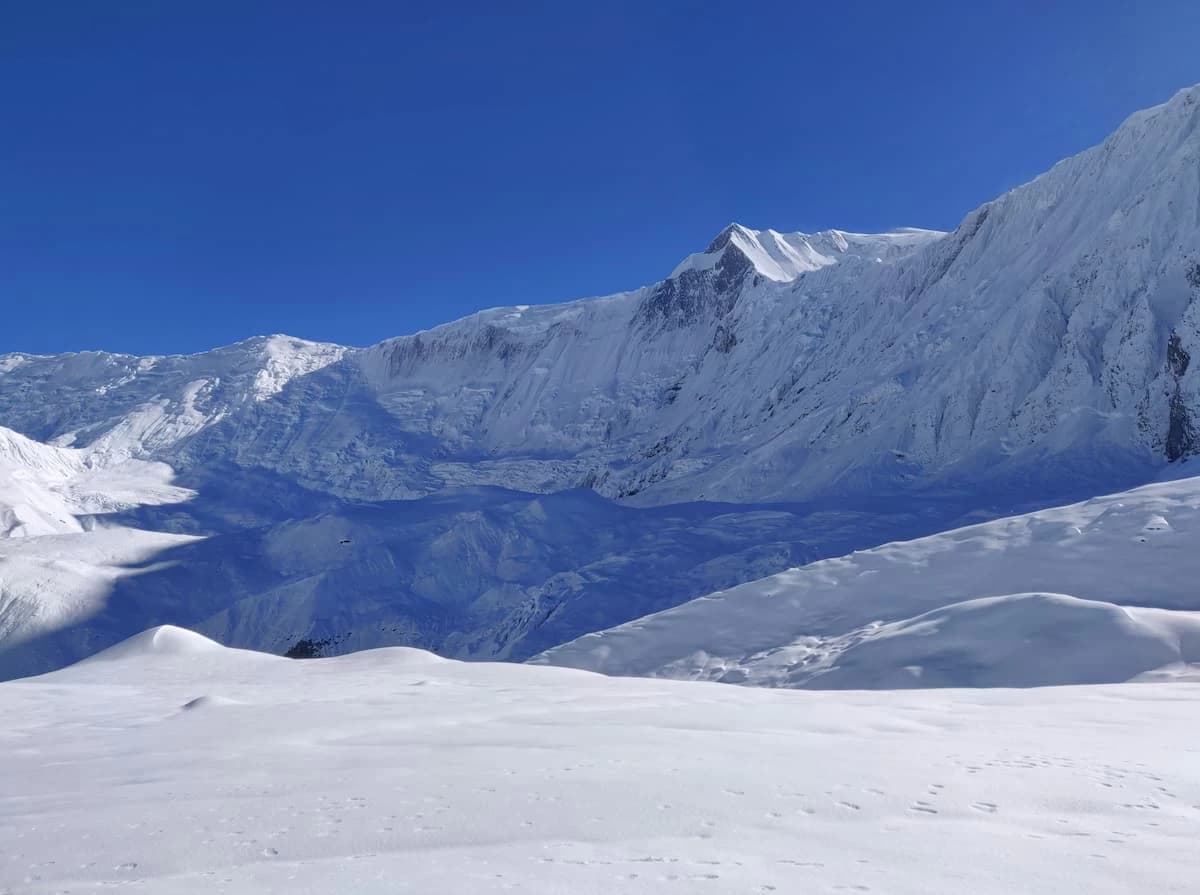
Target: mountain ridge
{"points": [[1039, 353]]}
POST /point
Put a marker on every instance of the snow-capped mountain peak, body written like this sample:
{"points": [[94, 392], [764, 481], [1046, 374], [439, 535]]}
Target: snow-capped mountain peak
{"points": [[1057, 318], [782, 257], [1041, 352]]}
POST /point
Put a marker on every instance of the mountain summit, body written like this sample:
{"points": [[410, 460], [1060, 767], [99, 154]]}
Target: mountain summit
{"points": [[1055, 323], [782, 257]]}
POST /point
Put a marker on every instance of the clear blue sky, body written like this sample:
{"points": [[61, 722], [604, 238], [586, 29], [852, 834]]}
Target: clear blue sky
{"points": [[175, 176]]}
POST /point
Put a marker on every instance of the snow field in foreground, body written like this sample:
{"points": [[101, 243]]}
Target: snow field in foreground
{"points": [[172, 765]]}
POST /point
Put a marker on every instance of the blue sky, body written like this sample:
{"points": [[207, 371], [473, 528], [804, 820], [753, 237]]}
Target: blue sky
{"points": [[178, 176]]}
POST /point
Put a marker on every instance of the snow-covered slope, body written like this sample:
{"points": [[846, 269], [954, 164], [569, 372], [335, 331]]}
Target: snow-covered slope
{"points": [[61, 552], [45, 489], [173, 765], [984, 605]]}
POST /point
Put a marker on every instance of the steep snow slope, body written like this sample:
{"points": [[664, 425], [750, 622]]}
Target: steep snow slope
{"points": [[909, 614], [172, 765], [61, 552], [56, 583], [1046, 341], [45, 489]]}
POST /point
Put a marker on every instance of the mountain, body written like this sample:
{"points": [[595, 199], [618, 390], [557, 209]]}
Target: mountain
{"points": [[1056, 319], [1097, 592], [1039, 353]]}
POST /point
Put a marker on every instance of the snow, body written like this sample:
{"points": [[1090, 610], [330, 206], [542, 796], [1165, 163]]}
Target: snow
{"points": [[44, 489], [1097, 592], [61, 552], [285, 358], [172, 765], [1019, 640], [57, 583], [166, 641], [782, 257]]}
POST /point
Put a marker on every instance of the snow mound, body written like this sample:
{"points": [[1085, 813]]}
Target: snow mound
{"points": [[388, 657], [165, 641], [1018, 640], [174, 653]]}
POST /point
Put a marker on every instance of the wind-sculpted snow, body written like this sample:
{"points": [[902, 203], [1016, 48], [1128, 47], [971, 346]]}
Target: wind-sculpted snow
{"points": [[171, 765], [1039, 353], [978, 606]]}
